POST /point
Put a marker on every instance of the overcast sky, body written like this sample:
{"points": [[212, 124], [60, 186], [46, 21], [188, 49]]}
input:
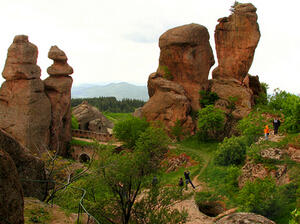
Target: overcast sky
{"points": [[117, 40]]}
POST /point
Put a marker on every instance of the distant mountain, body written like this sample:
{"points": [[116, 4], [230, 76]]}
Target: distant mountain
{"points": [[119, 90]]}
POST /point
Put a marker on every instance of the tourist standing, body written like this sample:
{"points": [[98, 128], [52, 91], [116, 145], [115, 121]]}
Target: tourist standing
{"points": [[188, 179], [276, 124]]}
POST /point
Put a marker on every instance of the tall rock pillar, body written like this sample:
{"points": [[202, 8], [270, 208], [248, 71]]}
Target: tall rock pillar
{"points": [[58, 89], [25, 110]]}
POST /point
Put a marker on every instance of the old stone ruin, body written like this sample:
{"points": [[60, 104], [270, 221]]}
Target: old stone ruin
{"points": [[184, 63]]}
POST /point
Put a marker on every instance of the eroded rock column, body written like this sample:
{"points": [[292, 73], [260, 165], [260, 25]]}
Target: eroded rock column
{"points": [[24, 107], [58, 89]]}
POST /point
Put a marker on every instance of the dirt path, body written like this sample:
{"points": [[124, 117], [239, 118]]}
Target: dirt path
{"points": [[102, 143]]}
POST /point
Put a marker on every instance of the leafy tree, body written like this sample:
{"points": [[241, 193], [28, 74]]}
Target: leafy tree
{"points": [[232, 151], [74, 122], [129, 130], [260, 196], [207, 98], [210, 123]]}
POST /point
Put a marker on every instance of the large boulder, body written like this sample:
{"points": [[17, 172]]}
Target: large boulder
{"points": [[236, 38], [228, 89], [11, 194], [58, 89], [168, 103], [24, 107], [29, 167], [243, 217], [91, 119], [186, 58]]}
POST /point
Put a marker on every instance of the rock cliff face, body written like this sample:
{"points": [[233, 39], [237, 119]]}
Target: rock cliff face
{"points": [[91, 119], [186, 58], [28, 166], [24, 107], [236, 38], [11, 194], [168, 103], [58, 89]]}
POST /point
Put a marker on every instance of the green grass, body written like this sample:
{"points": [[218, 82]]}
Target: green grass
{"points": [[116, 117]]}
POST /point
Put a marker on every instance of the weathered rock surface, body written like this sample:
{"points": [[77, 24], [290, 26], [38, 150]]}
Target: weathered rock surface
{"points": [[226, 88], [24, 107], [242, 217], [28, 166], [252, 171], [272, 153], [11, 193], [236, 38], [91, 119], [58, 89], [186, 58], [168, 103], [294, 153], [60, 66]]}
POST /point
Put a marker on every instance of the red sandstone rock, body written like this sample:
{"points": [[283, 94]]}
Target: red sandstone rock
{"points": [[226, 88], [28, 166], [24, 107], [243, 217], [236, 38], [60, 66], [91, 119], [168, 103], [186, 58], [11, 194], [58, 89]]}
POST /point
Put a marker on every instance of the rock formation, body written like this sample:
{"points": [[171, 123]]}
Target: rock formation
{"points": [[24, 107], [168, 103], [243, 217], [58, 89], [184, 63], [28, 167], [91, 119], [236, 38], [186, 58], [11, 194]]}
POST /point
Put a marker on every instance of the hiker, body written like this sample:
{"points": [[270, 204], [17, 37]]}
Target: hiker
{"points": [[276, 124], [267, 132], [180, 183], [188, 179], [154, 181]]}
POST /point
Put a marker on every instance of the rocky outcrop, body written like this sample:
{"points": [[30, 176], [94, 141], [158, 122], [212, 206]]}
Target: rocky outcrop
{"points": [[11, 194], [242, 217], [168, 103], [24, 107], [252, 171], [236, 38], [91, 119], [58, 89], [232, 89], [186, 58], [28, 167], [294, 153]]}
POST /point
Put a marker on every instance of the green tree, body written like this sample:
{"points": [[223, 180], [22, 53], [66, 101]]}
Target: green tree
{"points": [[210, 123], [74, 122], [129, 130], [207, 98]]}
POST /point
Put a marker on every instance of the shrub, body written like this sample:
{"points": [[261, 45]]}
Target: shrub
{"points": [[207, 98], [210, 123], [260, 196], [232, 151], [129, 130], [74, 122]]}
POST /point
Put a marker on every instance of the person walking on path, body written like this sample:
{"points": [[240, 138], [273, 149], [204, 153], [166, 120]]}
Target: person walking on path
{"points": [[276, 124], [180, 183], [267, 132], [188, 179]]}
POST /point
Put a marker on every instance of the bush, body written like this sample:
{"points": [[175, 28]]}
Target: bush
{"points": [[261, 197], [232, 151], [207, 98], [129, 130], [74, 122], [177, 130], [210, 123]]}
